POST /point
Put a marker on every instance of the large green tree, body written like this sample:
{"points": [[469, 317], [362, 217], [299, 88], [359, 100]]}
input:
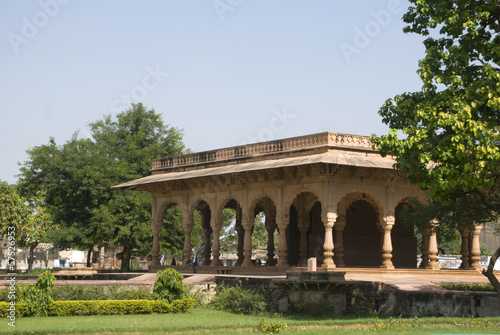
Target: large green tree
{"points": [[23, 221], [130, 143], [71, 177], [77, 178], [446, 136]]}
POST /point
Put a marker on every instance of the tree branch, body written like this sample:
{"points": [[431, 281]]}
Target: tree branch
{"points": [[489, 272]]}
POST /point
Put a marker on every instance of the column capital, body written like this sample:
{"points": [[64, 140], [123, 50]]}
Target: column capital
{"points": [[389, 220]]}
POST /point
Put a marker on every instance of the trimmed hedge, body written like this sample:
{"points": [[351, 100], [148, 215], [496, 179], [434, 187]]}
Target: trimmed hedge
{"points": [[105, 307]]}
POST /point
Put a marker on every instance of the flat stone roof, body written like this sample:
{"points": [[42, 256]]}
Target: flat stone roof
{"points": [[336, 158], [328, 148]]}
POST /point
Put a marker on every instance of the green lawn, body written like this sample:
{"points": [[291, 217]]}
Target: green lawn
{"points": [[204, 320]]}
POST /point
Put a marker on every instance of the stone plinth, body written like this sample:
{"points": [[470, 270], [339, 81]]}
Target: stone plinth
{"points": [[314, 288]]}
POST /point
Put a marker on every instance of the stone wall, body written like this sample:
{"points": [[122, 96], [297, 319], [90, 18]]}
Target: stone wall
{"points": [[374, 297], [446, 303]]}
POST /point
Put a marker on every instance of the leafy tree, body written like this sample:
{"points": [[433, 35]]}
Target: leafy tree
{"points": [[172, 234], [259, 234], [228, 234], [69, 175], [130, 143], [23, 219], [77, 178], [446, 137]]}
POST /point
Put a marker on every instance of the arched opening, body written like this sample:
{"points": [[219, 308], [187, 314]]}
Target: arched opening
{"points": [[305, 233], [171, 236], [316, 237], [201, 234], [361, 235], [404, 242], [264, 233], [231, 235]]}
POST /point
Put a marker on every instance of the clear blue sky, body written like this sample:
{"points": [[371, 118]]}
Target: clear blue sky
{"points": [[227, 72]]}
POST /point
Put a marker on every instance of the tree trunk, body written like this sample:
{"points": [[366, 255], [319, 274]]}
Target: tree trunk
{"points": [[490, 275], [31, 258], [126, 255], [89, 256]]}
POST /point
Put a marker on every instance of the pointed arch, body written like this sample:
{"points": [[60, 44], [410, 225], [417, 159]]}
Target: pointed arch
{"points": [[361, 233], [404, 241]]}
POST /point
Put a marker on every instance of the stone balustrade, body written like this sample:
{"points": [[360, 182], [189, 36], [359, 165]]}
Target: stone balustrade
{"points": [[270, 147]]}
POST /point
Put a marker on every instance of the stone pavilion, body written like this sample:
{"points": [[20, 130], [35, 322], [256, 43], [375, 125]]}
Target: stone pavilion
{"points": [[330, 196]]}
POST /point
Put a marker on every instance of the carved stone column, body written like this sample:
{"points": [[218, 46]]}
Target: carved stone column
{"points": [[387, 243], [303, 225], [304, 247], [424, 248], [282, 245], [155, 255], [433, 251], [207, 231], [329, 222], [464, 232], [270, 243], [475, 251], [241, 241], [247, 246], [187, 243], [216, 226], [339, 241], [156, 224]]}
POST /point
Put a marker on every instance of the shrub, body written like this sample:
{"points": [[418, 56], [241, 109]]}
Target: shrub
{"points": [[21, 309], [104, 307], [201, 296], [468, 286], [168, 286], [395, 323], [472, 322], [239, 300], [35, 272], [79, 292], [91, 292], [273, 326], [5, 292], [37, 297]]}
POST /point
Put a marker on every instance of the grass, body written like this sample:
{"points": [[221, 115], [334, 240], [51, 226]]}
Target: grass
{"points": [[208, 321]]}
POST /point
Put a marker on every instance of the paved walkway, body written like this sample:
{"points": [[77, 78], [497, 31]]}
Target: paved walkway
{"points": [[409, 280]]}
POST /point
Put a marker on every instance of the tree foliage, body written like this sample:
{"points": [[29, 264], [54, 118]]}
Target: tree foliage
{"points": [[169, 286], [23, 218], [446, 137], [77, 178]]}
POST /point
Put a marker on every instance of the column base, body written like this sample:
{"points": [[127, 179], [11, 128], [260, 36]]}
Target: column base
{"points": [[328, 267]]}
